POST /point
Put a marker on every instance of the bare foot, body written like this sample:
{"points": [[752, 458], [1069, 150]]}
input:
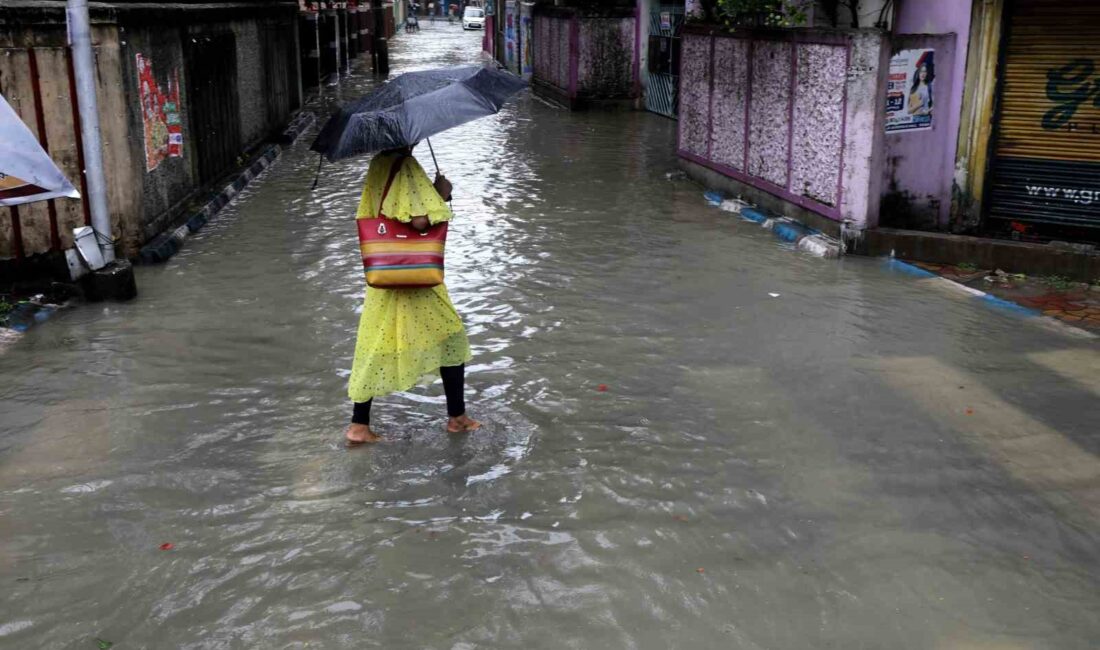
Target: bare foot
{"points": [[360, 434], [462, 424]]}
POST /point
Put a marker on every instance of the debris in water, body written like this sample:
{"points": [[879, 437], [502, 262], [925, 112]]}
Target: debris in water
{"points": [[602, 388], [774, 295], [526, 515], [167, 546], [103, 645], [970, 411], [699, 570]]}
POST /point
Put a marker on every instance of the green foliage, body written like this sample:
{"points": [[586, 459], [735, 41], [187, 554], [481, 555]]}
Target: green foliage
{"points": [[769, 13], [967, 267], [757, 13], [1058, 282]]}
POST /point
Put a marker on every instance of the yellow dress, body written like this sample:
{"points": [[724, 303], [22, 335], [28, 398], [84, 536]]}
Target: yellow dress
{"points": [[404, 334]]}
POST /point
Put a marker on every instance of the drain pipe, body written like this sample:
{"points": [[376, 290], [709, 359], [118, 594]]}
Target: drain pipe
{"points": [[80, 39]]}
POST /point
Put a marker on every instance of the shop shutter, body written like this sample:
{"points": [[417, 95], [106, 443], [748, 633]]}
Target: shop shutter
{"points": [[1046, 163]]}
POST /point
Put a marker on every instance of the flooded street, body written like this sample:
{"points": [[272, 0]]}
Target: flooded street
{"points": [[863, 461]]}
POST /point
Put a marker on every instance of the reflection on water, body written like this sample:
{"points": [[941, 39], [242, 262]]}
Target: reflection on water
{"points": [[791, 472]]}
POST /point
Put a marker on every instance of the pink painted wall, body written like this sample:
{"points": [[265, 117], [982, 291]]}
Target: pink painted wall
{"points": [[605, 66], [552, 50], [922, 163], [788, 115]]}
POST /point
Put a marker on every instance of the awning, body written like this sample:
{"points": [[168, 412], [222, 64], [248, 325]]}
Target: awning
{"points": [[26, 171]]}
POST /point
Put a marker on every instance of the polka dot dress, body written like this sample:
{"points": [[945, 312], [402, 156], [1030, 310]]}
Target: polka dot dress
{"points": [[404, 334]]}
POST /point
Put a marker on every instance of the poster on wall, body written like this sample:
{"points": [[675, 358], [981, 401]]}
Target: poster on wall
{"points": [[160, 115], [528, 51], [511, 54], [910, 95]]}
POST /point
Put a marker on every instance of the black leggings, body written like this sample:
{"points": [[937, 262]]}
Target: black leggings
{"points": [[454, 384]]}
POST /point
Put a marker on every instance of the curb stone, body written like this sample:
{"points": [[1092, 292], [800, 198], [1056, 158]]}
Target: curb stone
{"points": [[299, 125], [990, 300], [165, 245], [803, 238]]}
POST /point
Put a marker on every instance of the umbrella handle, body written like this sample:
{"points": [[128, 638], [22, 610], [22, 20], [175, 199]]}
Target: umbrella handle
{"points": [[434, 161]]}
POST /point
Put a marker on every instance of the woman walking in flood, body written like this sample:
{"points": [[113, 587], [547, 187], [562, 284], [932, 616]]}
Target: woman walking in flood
{"points": [[406, 333]]}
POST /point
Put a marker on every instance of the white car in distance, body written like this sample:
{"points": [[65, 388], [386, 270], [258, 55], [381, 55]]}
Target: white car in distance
{"points": [[473, 18]]}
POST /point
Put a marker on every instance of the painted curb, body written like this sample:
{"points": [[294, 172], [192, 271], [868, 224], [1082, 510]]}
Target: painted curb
{"points": [[168, 243], [999, 304], [804, 238], [299, 125]]}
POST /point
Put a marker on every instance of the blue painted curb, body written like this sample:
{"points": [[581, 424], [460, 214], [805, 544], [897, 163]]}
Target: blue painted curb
{"points": [[162, 247], [1000, 304], [804, 238], [790, 231], [1009, 306], [909, 269], [753, 215]]}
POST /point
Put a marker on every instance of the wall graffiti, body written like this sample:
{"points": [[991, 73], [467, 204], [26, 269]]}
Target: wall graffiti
{"points": [[1069, 87], [528, 51], [511, 53], [160, 115]]}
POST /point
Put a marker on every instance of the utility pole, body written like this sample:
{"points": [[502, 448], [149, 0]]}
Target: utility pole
{"points": [[115, 281], [381, 45], [80, 39]]}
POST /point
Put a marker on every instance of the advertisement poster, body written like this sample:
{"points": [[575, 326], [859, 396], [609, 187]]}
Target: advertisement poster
{"points": [[511, 55], [910, 91], [528, 51], [160, 114]]}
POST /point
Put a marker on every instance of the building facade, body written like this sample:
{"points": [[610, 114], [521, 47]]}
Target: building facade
{"points": [[978, 118], [184, 89]]}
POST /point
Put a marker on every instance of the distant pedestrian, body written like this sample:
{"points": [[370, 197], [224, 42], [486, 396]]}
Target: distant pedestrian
{"points": [[405, 334]]}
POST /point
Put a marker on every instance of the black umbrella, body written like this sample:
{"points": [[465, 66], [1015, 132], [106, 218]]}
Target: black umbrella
{"points": [[413, 107]]}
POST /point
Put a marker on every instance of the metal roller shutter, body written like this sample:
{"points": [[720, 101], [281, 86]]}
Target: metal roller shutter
{"points": [[1046, 163]]}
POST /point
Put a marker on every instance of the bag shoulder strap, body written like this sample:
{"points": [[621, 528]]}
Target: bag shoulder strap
{"points": [[397, 165]]}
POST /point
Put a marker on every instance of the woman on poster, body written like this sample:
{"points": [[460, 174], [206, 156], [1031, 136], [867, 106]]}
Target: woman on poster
{"points": [[920, 95]]}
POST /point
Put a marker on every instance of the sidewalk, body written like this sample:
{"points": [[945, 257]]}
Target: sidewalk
{"points": [[1077, 303]]}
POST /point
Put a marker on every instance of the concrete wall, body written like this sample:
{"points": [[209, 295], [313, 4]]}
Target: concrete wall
{"points": [[46, 33], [144, 197], [168, 187], [173, 178], [250, 79], [605, 60], [794, 113], [582, 59], [554, 67], [921, 165]]}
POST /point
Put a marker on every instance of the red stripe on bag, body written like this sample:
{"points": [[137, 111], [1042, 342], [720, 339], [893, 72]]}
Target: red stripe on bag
{"points": [[404, 247]]}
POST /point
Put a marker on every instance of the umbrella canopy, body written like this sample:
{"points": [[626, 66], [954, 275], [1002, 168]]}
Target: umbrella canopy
{"points": [[26, 171], [413, 107]]}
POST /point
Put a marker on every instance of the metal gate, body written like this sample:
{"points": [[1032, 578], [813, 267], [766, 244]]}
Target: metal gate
{"points": [[663, 70], [214, 108], [1046, 156]]}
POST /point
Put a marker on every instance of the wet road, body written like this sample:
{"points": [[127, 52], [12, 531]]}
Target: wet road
{"points": [[863, 461]]}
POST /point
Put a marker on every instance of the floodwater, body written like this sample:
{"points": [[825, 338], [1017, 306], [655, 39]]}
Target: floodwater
{"points": [[863, 461]]}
